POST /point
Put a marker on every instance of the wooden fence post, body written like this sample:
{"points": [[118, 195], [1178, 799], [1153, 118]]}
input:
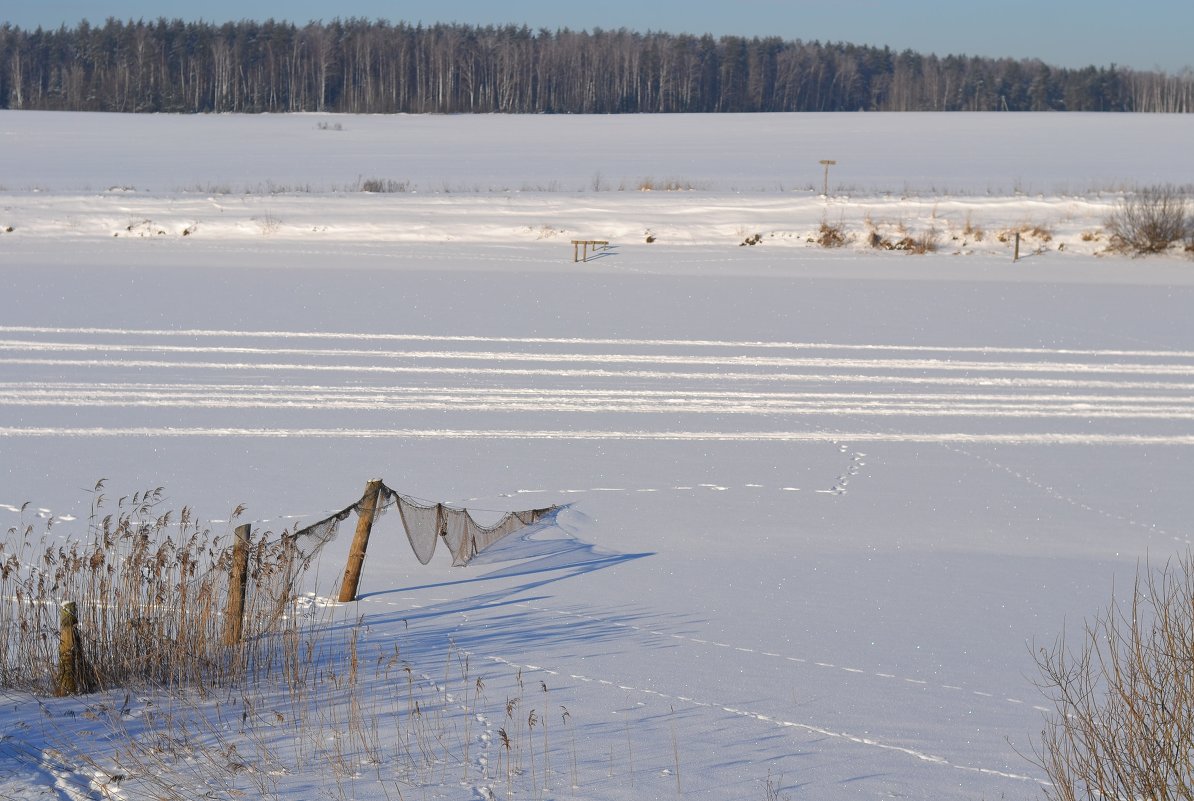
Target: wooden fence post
{"points": [[234, 615], [1016, 256], [73, 676], [360, 542]]}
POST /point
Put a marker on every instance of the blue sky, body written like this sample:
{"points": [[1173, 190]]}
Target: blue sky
{"points": [[1143, 34]]}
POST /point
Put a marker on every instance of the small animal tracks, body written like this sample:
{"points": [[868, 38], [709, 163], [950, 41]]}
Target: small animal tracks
{"points": [[799, 660], [1053, 492], [853, 468], [856, 464], [716, 706]]}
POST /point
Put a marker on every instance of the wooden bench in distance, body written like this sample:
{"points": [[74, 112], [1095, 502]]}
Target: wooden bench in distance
{"points": [[577, 244]]}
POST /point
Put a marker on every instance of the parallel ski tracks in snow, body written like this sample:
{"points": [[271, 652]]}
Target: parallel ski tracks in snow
{"points": [[702, 343], [1096, 396], [389, 398]]}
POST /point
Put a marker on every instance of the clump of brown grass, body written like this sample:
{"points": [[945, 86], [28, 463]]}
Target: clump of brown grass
{"points": [[831, 236], [1038, 232], [972, 231], [927, 241], [650, 184], [1027, 231]]}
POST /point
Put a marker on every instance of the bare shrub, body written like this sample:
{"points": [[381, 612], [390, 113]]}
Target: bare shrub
{"points": [[268, 223], [831, 236], [753, 239], [1123, 697], [1149, 220], [383, 185]]}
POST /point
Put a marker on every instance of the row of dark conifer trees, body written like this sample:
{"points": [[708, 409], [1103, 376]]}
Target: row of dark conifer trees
{"points": [[365, 66]]}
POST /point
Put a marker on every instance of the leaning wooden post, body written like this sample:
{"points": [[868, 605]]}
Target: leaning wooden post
{"points": [[234, 615], [356, 555], [72, 677]]}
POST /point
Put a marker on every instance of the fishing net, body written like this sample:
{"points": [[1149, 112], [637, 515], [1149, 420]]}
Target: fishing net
{"points": [[422, 524], [425, 523], [310, 540]]}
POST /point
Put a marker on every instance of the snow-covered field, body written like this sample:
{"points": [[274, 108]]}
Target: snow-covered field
{"points": [[819, 503]]}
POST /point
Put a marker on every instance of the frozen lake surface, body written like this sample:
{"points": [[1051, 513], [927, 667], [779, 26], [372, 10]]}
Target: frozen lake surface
{"points": [[819, 505]]}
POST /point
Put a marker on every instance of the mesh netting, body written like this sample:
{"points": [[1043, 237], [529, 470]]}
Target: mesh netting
{"points": [[309, 541], [422, 524], [483, 537], [425, 523], [456, 535]]}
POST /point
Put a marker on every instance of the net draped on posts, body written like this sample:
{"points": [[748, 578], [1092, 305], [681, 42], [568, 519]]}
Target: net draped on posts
{"points": [[425, 524]]}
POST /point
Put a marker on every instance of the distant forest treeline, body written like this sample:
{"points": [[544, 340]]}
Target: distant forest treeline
{"points": [[365, 66]]}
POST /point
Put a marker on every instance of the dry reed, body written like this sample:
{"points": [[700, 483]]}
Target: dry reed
{"points": [[150, 591]]}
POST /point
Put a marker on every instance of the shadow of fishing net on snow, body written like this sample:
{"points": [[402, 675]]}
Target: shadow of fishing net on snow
{"points": [[522, 544]]}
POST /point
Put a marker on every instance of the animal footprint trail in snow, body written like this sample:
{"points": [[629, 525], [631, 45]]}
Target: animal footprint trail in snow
{"points": [[749, 650], [780, 720], [837, 487], [1151, 528]]}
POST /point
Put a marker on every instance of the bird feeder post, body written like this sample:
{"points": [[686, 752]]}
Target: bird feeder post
{"points": [[826, 163]]}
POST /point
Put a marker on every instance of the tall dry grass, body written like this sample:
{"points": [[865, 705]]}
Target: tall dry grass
{"points": [[150, 589], [179, 713]]}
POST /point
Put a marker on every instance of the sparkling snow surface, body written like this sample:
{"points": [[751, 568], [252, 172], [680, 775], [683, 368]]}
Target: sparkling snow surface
{"points": [[820, 504]]}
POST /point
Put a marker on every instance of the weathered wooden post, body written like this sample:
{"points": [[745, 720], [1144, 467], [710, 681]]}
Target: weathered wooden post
{"points": [[234, 615], [73, 676], [1016, 256], [360, 542]]}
